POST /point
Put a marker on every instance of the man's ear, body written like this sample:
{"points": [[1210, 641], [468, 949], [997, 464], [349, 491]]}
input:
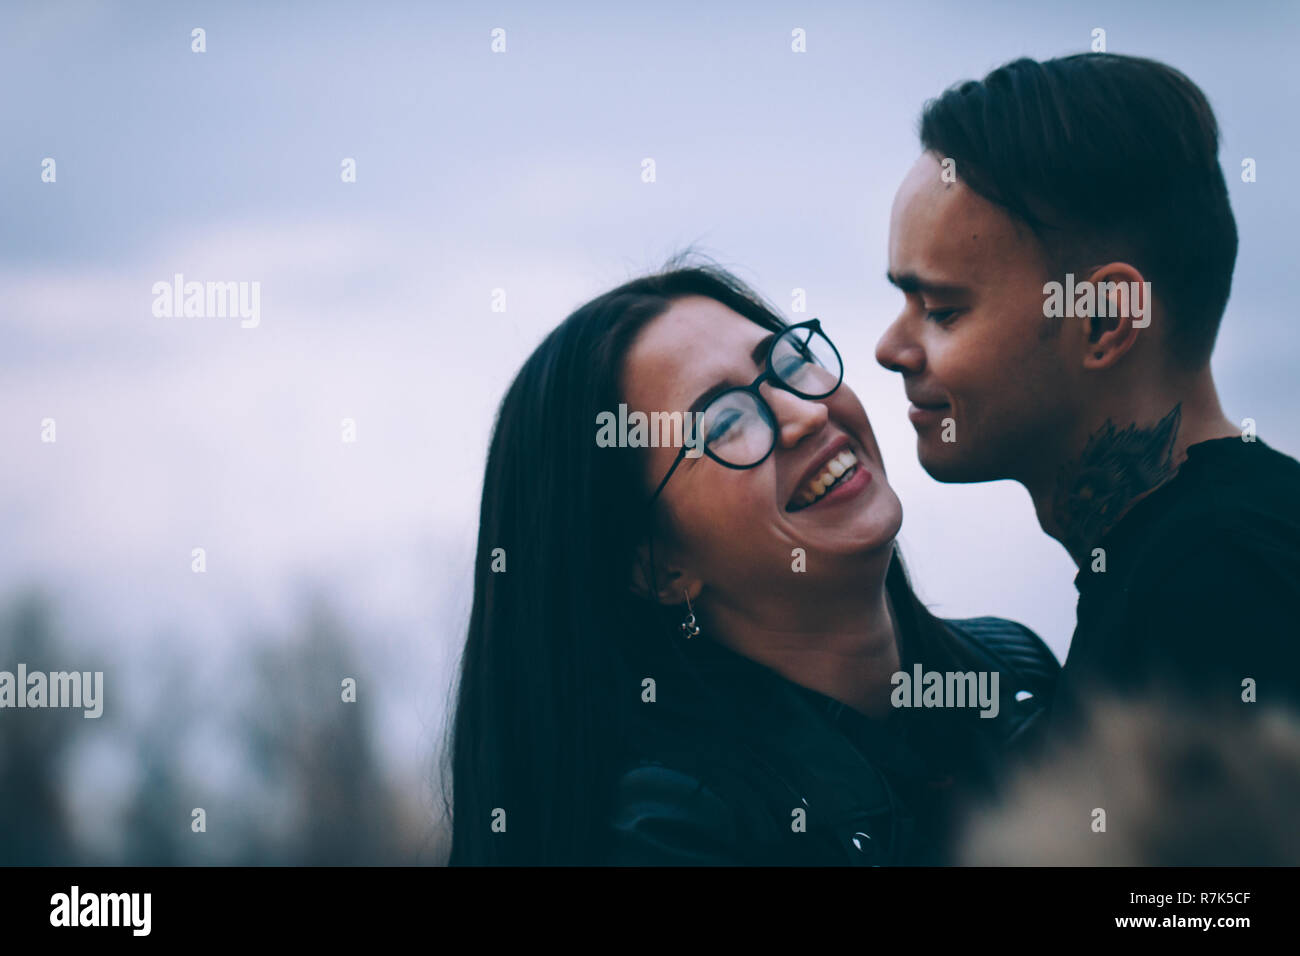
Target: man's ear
{"points": [[1121, 308], [675, 584]]}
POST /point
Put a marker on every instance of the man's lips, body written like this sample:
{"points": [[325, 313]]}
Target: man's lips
{"points": [[929, 414], [927, 408], [926, 401]]}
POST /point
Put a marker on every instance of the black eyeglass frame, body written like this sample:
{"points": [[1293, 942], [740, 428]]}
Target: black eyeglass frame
{"points": [[769, 374]]}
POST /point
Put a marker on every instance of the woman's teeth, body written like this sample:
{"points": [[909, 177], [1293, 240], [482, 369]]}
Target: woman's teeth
{"points": [[842, 465]]}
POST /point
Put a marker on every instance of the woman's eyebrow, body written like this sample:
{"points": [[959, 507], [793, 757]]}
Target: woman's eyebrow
{"points": [[759, 355]]}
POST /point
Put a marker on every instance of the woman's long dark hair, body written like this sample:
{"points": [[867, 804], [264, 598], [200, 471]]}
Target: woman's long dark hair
{"points": [[550, 682]]}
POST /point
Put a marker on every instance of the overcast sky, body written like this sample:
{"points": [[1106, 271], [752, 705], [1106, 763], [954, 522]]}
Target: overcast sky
{"points": [[478, 171]]}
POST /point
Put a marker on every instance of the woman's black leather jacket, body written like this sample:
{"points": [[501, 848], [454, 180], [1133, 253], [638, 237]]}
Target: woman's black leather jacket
{"points": [[816, 783]]}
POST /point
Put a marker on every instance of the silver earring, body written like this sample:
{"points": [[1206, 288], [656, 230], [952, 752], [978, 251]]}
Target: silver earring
{"points": [[689, 627]]}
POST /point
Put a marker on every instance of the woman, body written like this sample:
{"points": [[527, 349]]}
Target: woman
{"points": [[677, 657]]}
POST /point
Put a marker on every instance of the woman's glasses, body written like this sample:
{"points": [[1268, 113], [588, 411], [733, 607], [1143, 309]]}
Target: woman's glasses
{"points": [[738, 426]]}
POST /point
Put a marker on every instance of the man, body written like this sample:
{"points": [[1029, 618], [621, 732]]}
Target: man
{"points": [[1065, 248]]}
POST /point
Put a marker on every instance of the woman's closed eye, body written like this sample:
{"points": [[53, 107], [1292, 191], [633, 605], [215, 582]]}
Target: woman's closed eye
{"points": [[722, 423], [789, 365]]}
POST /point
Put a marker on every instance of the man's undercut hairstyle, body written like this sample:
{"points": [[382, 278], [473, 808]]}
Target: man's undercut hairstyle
{"points": [[1106, 158]]}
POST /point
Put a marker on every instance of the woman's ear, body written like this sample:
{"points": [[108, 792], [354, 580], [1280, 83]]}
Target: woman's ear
{"points": [[675, 584]]}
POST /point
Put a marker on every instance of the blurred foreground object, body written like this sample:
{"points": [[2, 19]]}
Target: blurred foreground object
{"points": [[1171, 784]]}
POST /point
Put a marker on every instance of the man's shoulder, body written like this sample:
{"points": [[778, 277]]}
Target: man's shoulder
{"points": [[1260, 459], [1243, 458], [1237, 483], [1241, 500], [1206, 595], [1225, 550], [1198, 590]]}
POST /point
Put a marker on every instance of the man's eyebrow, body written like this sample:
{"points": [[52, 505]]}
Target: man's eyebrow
{"points": [[910, 282], [758, 354]]}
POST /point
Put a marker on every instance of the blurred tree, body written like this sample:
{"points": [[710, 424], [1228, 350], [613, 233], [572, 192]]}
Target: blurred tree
{"points": [[309, 785], [33, 743], [318, 750], [156, 820]]}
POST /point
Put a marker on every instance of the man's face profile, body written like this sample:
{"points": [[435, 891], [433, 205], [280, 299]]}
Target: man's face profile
{"points": [[984, 369]]}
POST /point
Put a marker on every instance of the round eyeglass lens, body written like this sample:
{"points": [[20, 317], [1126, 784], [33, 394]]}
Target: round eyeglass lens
{"points": [[805, 360], [736, 429]]}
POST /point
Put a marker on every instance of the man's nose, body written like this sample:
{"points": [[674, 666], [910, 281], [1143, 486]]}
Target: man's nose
{"points": [[897, 351], [796, 418]]}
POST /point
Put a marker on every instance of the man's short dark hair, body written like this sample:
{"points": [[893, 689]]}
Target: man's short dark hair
{"points": [[1106, 158]]}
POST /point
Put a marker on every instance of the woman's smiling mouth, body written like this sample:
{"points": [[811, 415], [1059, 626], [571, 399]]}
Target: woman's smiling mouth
{"points": [[841, 476]]}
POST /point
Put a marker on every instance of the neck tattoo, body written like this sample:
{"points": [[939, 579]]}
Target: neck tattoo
{"points": [[1115, 469]]}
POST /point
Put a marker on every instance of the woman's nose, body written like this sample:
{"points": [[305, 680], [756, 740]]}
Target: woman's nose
{"points": [[796, 417]]}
